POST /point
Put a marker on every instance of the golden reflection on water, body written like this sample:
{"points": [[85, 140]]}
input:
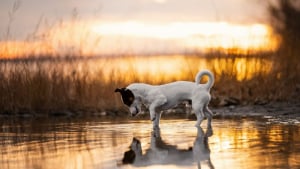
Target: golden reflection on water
{"points": [[90, 145], [249, 145]]}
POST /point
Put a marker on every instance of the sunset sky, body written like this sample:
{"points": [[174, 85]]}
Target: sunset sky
{"points": [[132, 26]]}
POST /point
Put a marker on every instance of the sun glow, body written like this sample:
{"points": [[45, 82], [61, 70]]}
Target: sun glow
{"points": [[203, 35], [180, 29], [93, 38]]}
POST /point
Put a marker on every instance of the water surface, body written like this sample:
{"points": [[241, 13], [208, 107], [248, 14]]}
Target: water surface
{"points": [[111, 143]]}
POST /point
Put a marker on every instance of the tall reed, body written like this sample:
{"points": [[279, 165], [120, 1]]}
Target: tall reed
{"points": [[87, 85], [51, 87]]}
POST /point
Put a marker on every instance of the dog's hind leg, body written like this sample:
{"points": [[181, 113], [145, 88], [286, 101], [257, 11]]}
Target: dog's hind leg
{"points": [[198, 109], [209, 115], [200, 117]]}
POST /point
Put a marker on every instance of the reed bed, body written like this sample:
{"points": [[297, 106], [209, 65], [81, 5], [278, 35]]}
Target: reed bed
{"points": [[43, 88], [85, 86]]}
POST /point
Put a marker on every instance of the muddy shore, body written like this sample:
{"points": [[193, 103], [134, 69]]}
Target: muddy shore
{"points": [[274, 112]]}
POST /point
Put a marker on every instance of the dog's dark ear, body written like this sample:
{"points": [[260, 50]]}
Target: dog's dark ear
{"points": [[118, 90], [127, 95]]}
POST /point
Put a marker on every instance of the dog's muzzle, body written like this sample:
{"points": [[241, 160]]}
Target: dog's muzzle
{"points": [[134, 111]]}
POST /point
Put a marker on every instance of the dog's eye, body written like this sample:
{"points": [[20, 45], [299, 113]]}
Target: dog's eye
{"points": [[128, 101], [127, 96]]}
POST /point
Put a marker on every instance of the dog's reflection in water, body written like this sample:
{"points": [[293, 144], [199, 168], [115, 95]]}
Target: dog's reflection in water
{"points": [[161, 153]]}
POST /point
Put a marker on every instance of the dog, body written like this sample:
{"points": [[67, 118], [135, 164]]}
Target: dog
{"points": [[157, 98], [163, 153]]}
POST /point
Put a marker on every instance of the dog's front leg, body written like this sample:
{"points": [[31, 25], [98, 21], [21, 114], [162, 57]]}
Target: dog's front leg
{"points": [[152, 112], [154, 108], [156, 121], [154, 105]]}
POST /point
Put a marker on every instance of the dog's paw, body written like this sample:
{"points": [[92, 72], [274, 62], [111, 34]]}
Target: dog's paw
{"points": [[209, 132], [153, 118], [198, 123]]}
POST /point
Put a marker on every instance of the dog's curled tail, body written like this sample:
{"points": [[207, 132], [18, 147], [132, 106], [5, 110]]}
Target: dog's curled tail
{"points": [[211, 78]]}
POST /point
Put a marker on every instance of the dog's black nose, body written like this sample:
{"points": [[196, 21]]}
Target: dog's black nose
{"points": [[136, 112], [133, 114]]}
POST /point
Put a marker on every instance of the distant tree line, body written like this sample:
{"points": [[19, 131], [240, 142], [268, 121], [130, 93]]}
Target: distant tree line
{"points": [[285, 20]]}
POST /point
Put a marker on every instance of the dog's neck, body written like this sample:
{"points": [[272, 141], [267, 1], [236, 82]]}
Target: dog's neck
{"points": [[140, 90]]}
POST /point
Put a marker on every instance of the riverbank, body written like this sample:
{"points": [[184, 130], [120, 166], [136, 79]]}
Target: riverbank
{"points": [[274, 112]]}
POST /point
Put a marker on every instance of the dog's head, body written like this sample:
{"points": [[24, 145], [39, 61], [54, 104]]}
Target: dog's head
{"points": [[135, 150], [129, 100]]}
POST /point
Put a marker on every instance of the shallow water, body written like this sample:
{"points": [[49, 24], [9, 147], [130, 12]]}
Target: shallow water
{"points": [[96, 144]]}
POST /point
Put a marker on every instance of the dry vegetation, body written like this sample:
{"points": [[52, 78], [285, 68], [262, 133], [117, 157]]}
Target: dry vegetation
{"points": [[59, 87], [50, 89]]}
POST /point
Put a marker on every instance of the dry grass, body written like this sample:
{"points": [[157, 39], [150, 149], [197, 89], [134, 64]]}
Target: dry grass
{"points": [[52, 86], [44, 88]]}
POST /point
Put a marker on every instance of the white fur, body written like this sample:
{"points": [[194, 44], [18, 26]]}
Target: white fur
{"points": [[162, 97], [162, 153]]}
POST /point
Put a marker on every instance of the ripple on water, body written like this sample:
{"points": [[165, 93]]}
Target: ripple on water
{"points": [[231, 143]]}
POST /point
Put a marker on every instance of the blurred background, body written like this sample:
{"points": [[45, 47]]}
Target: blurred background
{"points": [[70, 55]]}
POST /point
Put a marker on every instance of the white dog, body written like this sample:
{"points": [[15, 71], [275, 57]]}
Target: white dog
{"points": [[162, 97], [163, 153]]}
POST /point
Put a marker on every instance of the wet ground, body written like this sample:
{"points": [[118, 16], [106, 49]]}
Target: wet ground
{"points": [[232, 142]]}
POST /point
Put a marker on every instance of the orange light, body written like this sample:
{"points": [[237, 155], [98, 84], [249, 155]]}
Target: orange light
{"points": [[92, 38], [17, 49], [203, 35], [161, 69]]}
